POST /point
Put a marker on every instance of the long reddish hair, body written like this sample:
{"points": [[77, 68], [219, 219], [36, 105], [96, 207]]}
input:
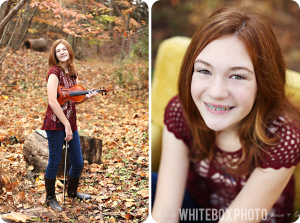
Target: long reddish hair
{"points": [[53, 61], [269, 67]]}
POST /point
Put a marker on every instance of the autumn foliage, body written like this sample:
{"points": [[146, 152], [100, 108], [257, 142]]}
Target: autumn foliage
{"points": [[119, 186]]}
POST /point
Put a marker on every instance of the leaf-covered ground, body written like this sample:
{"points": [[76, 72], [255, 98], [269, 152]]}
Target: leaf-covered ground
{"points": [[119, 186]]}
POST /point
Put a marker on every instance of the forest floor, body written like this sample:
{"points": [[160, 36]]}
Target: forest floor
{"points": [[119, 185]]}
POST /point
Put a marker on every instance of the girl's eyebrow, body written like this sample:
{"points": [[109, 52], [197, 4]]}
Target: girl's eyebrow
{"points": [[241, 68], [203, 62], [232, 68]]}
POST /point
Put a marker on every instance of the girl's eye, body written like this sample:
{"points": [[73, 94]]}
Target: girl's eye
{"points": [[203, 71], [237, 77]]}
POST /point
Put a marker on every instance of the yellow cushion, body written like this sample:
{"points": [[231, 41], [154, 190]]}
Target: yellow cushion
{"points": [[164, 87], [293, 86], [293, 92], [166, 72], [156, 140], [297, 193]]}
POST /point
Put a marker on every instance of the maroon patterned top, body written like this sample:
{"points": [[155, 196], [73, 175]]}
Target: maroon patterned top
{"points": [[51, 122], [212, 187]]}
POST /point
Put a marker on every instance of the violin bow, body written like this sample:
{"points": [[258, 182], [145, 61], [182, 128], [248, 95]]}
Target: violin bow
{"points": [[65, 169]]}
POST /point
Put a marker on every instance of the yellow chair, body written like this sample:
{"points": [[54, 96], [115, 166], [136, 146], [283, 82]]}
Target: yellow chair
{"points": [[164, 87]]}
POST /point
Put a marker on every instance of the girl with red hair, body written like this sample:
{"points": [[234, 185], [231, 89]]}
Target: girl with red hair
{"points": [[60, 123], [231, 136]]}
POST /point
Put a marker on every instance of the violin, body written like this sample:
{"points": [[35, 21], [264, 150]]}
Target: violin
{"points": [[75, 93]]}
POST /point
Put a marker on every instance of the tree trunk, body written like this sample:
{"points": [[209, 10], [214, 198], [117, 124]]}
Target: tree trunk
{"points": [[8, 31], [111, 13], [29, 24], [124, 40], [138, 16], [91, 149], [12, 13], [74, 43], [5, 12], [23, 26], [70, 39], [36, 152]]}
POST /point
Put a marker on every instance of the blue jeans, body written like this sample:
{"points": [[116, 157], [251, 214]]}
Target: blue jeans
{"points": [[55, 143], [188, 204]]}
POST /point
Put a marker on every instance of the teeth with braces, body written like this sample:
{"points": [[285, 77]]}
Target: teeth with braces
{"points": [[218, 109]]}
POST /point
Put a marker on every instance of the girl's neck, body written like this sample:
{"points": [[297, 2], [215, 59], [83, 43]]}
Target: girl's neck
{"points": [[64, 65], [228, 139]]}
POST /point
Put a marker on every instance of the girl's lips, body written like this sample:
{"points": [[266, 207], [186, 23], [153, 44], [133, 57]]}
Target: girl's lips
{"points": [[218, 109], [219, 106]]}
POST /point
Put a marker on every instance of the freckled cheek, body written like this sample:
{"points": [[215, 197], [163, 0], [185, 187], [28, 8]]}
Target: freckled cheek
{"points": [[245, 96], [196, 88]]}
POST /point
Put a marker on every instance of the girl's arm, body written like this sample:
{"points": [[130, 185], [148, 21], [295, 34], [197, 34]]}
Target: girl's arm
{"points": [[172, 178], [52, 99], [261, 191]]}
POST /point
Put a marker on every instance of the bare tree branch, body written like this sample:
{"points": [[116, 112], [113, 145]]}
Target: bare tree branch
{"points": [[4, 13], [4, 53], [12, 13], [4, 33]]}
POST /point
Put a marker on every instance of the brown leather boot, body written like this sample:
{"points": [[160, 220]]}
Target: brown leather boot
{"points": [[50, 195], [72, 189]]}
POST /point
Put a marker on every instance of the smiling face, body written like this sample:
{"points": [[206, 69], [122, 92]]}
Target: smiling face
{"points": [[62, 54], [223, 83]]}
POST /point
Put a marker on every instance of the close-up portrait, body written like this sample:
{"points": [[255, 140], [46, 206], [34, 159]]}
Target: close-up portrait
{"points": [[225, 111]]}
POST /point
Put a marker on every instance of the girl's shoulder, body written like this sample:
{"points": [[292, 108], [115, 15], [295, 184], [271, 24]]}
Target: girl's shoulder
{"points": [[176, 122], [54, 70], [286, 152]]}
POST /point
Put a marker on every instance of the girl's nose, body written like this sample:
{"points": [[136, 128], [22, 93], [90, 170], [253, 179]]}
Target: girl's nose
{"points": [[218, 88]]}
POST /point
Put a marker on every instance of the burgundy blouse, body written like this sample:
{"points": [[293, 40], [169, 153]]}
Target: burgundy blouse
{"points": [[51, 122], [210, 185]]}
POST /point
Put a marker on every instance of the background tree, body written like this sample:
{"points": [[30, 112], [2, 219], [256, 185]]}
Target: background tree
{"points": [[110, 27]]}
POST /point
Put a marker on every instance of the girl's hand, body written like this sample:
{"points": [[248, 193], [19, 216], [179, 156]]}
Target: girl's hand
{"points": [[91, 94], [69, 133]]}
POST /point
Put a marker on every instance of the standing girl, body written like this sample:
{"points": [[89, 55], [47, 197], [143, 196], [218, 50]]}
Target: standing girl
{"points": [[60, 123], [231, 136]]}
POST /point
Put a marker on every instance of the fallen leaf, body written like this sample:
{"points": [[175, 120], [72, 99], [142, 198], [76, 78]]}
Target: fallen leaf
{"points": [[40, 187], [19, 198], [65, 216], [59, 184], [82, 218], [144, 193], [17, 217], [127, 216], [5, 179], [129, 203], [42, 199]]}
